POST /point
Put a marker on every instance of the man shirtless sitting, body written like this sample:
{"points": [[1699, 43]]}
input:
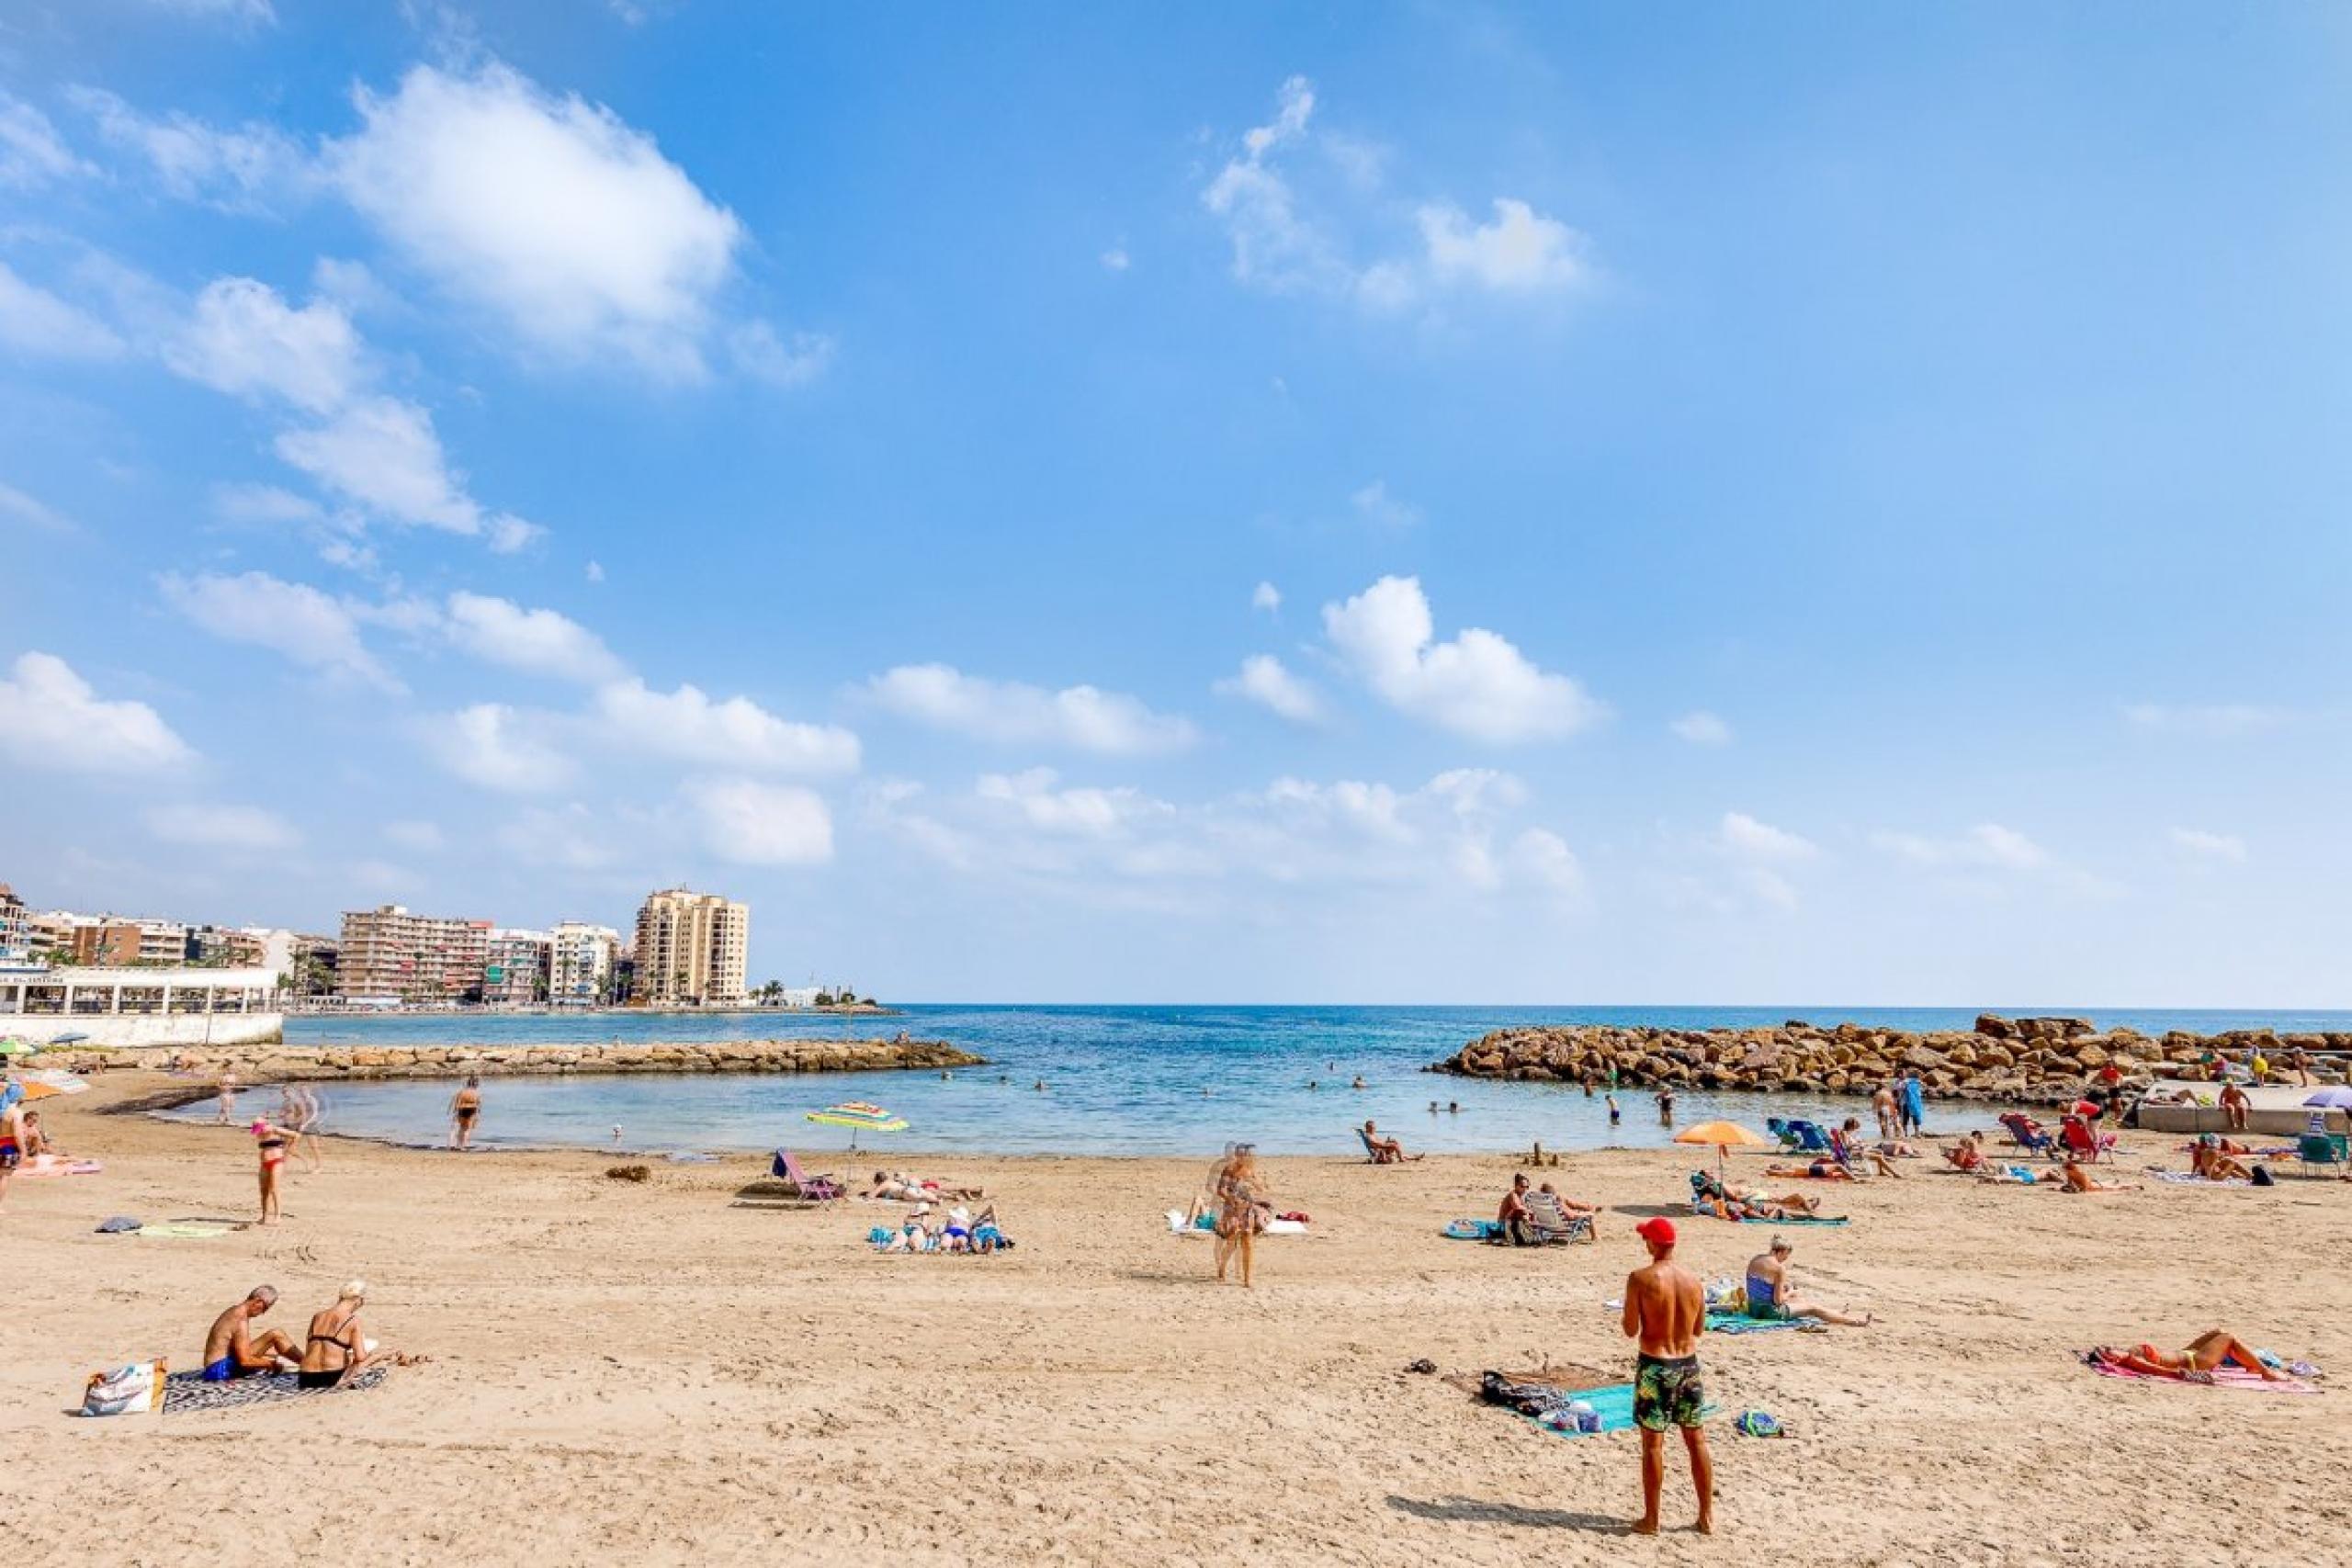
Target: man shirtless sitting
{"points": [[2196, 1362], [232, 1351], [1385, 1151]]}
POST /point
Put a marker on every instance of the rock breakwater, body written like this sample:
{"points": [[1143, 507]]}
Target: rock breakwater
{"points": [[2029, 1061], [279, 1063]]}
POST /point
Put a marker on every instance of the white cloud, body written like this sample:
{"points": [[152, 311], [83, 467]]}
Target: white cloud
{"points": [[1266, 597], [1090, 812], [1085, 717], [420, 836], [32, 512], [1478, 685], [253, 13], [735, 733], [596, 572], [1987, 846], [379, 878], [2210, 720], [1374, 504], [37, 322], [291, 618], [539, 642], [489, 744], [221, 827], [50, 718], [1701, 729], [240, 170], [1285, 242], [2224, 847], [1116, 259], [31, 152], [244, 340], [550, 211], [383, 455], [1264, 679], [1745, 837], [264, 504], [758, 350], [748, 823], [1522, 251], [1544, 857]]}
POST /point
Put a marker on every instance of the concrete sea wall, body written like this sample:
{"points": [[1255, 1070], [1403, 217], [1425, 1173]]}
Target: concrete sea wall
{"points": [[273, 1063]]}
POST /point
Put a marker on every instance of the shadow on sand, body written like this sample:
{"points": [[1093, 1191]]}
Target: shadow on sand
{"points": [[1469, 1510]]}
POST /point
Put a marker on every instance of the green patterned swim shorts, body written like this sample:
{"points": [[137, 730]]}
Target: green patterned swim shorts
{"points": [[1667, 1393]]}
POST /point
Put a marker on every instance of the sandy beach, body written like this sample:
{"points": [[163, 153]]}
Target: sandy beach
{"points": [[643, 1371]]}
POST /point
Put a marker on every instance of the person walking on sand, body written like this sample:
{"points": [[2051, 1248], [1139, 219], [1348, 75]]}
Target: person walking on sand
{"points": [[465, 1109], [270, 1141], [227, 1111], [1243, 1209], [13, 1139], [1665, 1309], [1883, 1102]]}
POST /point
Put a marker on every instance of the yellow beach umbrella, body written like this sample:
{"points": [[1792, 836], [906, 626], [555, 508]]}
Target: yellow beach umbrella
{"points": [[1723, 1135]]}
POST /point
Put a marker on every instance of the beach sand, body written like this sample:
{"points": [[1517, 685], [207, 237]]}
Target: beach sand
{"points": [[644, 1372]]}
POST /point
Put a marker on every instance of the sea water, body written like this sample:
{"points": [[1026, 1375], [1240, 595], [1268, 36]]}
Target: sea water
{"points": [[1116, 1080]]}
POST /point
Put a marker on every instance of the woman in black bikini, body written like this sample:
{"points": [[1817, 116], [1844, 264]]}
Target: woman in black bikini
{"points": [[336, 1345]]}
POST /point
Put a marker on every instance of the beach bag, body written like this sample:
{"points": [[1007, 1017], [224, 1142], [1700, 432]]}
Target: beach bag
{"points": [[1527, 1398], [2262, 1177], [131, 1389]]}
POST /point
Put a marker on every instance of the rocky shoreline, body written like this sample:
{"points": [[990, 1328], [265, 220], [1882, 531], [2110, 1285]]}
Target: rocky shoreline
{"points": [[278, 1063], [2028, 1060]]}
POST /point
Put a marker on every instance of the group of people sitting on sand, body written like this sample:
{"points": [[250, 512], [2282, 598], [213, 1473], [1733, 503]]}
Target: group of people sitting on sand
{"points": [[896, 1187], [958, 1230], [1710, 1194], [335, 1346], [1849, 1158]]}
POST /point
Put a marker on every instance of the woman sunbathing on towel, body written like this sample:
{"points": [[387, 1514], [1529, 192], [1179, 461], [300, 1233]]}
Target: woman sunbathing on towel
{"points": [[1819, 1170], [2078, 1179], [2207, 1161], [2196, 1362], [1729, 1202]]}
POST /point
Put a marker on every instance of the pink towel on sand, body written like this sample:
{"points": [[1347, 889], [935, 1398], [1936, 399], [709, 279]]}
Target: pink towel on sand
{"points": [[2228, 1377]]}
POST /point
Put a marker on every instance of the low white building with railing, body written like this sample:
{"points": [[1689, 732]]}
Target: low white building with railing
{"points": [[140, 1005]]}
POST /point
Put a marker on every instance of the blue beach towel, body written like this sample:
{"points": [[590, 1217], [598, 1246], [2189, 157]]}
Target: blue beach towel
{"points": [[1473, 1230], [1615, 1404], [1740, 1322]]}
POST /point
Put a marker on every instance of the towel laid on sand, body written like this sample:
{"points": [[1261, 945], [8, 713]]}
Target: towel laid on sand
{"points": [[1613, 1403], [187, 1391], [1796, 1220], [2228, 1377], [2190, 1179], [1740, 1322]]}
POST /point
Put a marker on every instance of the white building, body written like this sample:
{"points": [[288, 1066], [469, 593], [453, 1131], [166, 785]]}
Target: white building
{"points": [[580, 963], [141, 1006], [515, 973]]}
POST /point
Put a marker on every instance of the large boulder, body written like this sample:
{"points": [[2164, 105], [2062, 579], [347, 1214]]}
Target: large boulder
{"points": [[1993, 1026]]}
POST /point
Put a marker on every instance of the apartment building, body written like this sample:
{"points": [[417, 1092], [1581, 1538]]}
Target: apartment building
{"points": [[514, 972], [690, 949], [16, 928], [389, 954], [112, 942], [580, 963]]}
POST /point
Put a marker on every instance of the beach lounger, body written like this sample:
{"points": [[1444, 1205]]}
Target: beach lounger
{"points": [[2327, 1150], [2029, 1134], [2077, 1137], [1553, 1223], [811, 1188]]}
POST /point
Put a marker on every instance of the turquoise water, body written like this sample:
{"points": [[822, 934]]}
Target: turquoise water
{"points": [[1119, 1080]]}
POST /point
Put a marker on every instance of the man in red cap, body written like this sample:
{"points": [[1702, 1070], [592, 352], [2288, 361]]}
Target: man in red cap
{"points": [[1665, 1309]]}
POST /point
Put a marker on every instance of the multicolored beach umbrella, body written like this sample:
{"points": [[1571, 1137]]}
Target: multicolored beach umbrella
{"points": [[858, 1117]]}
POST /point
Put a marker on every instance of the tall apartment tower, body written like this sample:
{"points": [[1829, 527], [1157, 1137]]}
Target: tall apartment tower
{"points": [[389, 954], [690, 950]]}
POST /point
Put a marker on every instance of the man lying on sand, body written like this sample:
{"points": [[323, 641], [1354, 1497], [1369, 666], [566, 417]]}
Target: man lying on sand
{"points": [[2196, 1362], [898, 1188], [231, 1349], [1713, 1195], [1771, 1294], [1819, 1170]]}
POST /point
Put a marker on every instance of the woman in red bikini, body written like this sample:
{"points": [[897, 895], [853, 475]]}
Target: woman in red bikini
{"points": [[272, 1142]]}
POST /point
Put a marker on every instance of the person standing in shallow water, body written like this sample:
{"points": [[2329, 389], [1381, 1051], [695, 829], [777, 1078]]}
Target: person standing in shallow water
{"points": [[465, 1109], [1665, 1307]]}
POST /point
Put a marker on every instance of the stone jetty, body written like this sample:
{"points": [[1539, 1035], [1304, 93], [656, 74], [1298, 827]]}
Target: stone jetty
{"points": [[278, 1063], [2029, 1061]]}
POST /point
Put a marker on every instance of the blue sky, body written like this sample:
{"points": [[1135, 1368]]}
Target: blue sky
{"points": [[1767, 503]]}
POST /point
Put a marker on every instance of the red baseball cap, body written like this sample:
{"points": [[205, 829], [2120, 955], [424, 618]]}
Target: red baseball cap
{"points": [[1657, 1229]]}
